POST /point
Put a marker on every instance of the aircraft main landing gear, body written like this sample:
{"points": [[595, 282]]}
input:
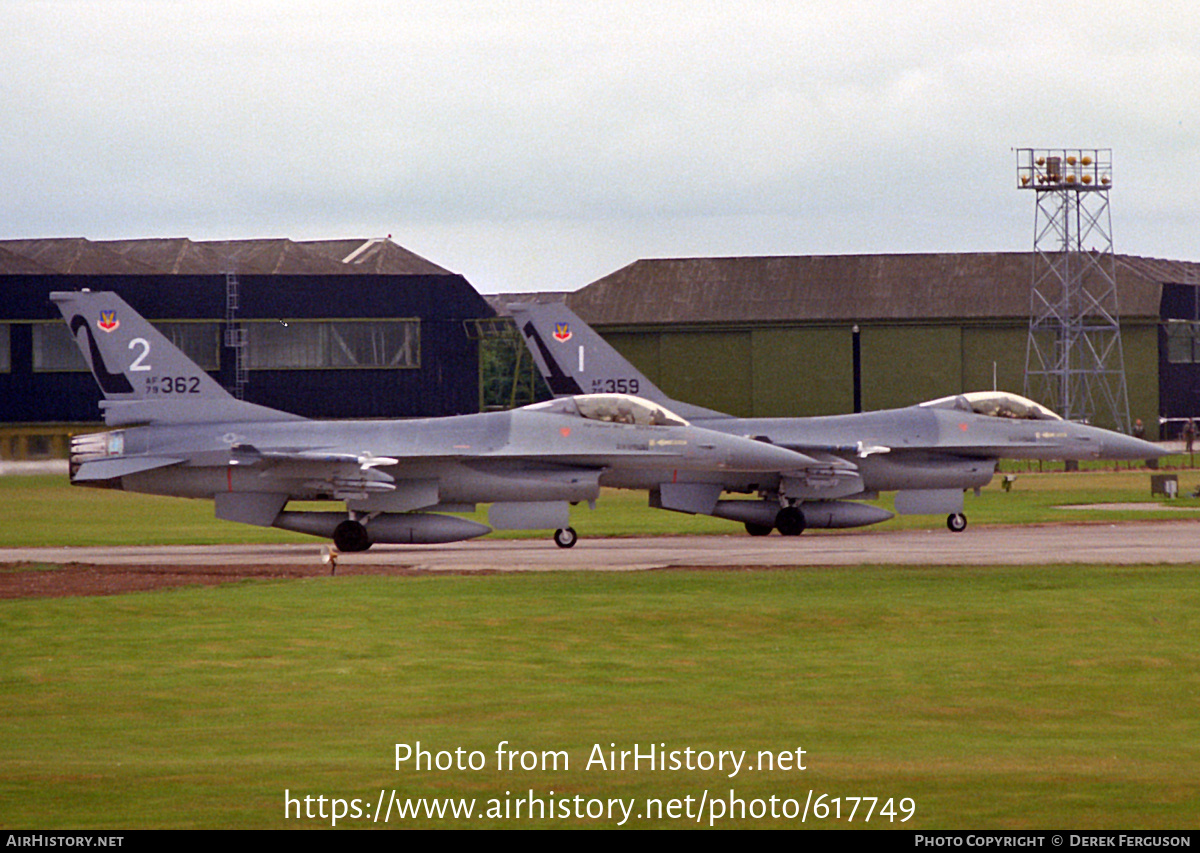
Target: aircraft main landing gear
{"points": [[565, 537], [790, 521], [957, 522], [758, 529], [350, 536]]}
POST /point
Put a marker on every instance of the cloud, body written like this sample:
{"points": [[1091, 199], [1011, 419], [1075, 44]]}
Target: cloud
{"points": [[670, 125]]}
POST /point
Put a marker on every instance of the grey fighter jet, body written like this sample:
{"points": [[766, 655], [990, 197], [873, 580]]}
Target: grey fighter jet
{"points": [[928, 454], [181, 434]]}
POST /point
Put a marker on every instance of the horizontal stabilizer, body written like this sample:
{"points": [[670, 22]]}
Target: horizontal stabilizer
{"points": [[109, 469]]}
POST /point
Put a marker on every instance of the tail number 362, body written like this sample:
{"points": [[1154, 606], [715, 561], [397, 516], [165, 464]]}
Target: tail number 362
{"points": [[172, 385]]}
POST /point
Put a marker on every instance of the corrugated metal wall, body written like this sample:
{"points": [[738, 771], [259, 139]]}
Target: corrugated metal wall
{"points": [[807, 370]]}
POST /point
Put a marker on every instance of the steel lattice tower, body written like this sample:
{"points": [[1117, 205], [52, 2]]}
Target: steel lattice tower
{"points": [[1073, 361]]}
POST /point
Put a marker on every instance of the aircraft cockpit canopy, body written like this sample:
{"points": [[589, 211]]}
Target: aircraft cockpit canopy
{"points": [[612, 408], [996, 404]]}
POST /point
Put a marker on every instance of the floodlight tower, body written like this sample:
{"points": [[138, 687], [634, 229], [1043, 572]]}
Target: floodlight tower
{"points": [[1073, 360]]}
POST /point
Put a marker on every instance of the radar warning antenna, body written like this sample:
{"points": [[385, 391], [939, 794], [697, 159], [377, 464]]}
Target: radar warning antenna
{"points": [[1073, 360]]}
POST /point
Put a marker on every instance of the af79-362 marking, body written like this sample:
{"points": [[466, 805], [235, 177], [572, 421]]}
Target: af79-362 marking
{"points": [[177, 432]]}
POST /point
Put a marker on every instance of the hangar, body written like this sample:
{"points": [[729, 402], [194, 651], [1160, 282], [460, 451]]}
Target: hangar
{"points": [[365, 328], [326, 329], [778, 336]]}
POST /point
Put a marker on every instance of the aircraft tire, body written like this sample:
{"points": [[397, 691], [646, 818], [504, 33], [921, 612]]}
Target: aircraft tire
{"points": [[957, 522], [758, 529], [351, 536], [565, 537], [790, 521]]}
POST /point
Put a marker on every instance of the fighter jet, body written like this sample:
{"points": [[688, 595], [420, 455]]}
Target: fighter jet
{"points": [[182, 434], [928, 453]]}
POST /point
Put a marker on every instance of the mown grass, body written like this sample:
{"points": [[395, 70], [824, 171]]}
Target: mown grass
{"points": [[1054, 696], [994, 697], [47, 511]]}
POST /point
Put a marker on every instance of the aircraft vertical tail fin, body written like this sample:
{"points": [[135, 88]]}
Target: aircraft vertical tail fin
{"points": [[143, 376], [574, 359]]}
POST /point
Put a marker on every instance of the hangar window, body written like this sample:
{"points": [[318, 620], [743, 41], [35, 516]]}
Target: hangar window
{"points": [[5, 349], [54, 349], [201, 342], [344, 344], [1183, 342]]}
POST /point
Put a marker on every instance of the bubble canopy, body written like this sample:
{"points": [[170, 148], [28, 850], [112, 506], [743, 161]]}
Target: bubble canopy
{"points": [[995, 404], [612, 408]]}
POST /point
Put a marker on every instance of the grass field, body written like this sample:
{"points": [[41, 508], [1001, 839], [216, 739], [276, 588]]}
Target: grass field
{"points": [[1004, 698], [993, 697]]}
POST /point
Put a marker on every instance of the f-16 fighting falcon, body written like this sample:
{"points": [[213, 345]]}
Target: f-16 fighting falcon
{"points": [[180, 433], [928, 454]]}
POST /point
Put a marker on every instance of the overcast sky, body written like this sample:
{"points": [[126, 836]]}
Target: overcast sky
{"points": [[542, 145]]}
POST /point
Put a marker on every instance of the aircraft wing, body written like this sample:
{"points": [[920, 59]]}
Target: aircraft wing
{"points": [[343, 475]]}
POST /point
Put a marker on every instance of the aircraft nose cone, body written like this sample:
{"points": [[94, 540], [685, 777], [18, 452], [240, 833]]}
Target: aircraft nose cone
{"points": [[751, 455], [1118, 446]]}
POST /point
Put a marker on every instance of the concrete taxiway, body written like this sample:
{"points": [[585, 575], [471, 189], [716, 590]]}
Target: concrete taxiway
{"points": [[1176, 542]]}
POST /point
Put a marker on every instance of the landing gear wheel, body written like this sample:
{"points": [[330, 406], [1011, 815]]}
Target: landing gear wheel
{"points": [[566, 537], [790, 521], [351, 536], [758, 529], [956, 522]]}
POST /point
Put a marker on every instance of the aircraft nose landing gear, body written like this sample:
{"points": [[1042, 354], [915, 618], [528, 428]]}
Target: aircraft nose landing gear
{"points": [[566, 537], [957, 522]]}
